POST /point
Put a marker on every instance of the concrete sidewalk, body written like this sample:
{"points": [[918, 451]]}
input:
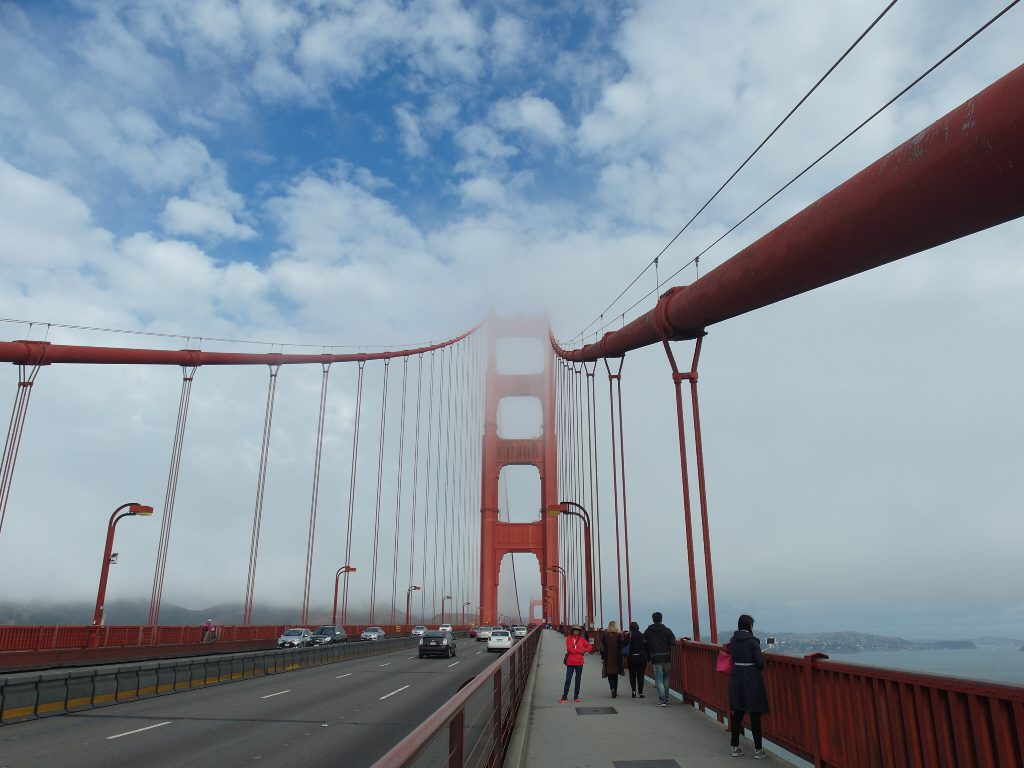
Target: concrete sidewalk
{"points": [[639, 734]]}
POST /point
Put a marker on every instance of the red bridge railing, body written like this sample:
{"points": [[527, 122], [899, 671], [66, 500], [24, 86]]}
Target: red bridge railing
{"points": [[474, 727], [838, 714]]}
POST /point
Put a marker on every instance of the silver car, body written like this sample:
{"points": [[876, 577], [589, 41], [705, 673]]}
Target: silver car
{"points": [[418, 630], [298, 637], [518, 632], [483, 633], [372, 633]]}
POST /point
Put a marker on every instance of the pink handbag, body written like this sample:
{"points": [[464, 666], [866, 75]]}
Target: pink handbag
{"points": [[724, 663]]}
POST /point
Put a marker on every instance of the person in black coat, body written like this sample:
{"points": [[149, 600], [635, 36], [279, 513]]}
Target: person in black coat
{"points": [[746, 688], [636, 662]]}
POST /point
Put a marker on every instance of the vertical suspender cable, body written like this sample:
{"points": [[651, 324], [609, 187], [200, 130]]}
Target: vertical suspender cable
{"points": [[314, 501], [26, 378], [380, 478], [446, 565], [352, 489], [437, 477], [398, 491], [426, 491], [187, 374], [615, 483], [625, 516], [257, 515], [415, 471], [595, 489]]}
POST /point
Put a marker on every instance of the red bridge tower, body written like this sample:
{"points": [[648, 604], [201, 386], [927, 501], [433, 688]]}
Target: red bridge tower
{"points": [[539, 537]]}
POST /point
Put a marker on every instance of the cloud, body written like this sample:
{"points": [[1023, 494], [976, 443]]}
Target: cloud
{"points": [[536, 117], [190, 217], [409, 130]]}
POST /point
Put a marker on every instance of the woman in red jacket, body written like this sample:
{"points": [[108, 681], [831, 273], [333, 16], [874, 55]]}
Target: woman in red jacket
{"points": [[575, 646]]}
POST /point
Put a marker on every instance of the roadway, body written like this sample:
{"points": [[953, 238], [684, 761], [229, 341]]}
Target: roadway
{"points": [[349, 713]]}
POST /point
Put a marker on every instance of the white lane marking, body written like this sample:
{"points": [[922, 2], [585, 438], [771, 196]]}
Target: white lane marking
{"points": [[393, 692], [138, 730], [269, 695], [347, 674], [385, 665], [412, 657], [452, 665], [479, 652]]}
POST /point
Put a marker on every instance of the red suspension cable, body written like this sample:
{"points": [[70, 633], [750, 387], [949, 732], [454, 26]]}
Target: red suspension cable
{"points": [[352, 489], [398, 490], [380, 479], [314, 501], [26, 378]]}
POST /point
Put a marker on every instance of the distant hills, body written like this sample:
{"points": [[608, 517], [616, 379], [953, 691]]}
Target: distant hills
{"points": [[136, 612], [857, 642]]}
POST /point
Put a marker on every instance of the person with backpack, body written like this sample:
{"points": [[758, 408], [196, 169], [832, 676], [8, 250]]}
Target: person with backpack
{"points": [[612, 661], [575, 646], [636, 659], [660, 641]]}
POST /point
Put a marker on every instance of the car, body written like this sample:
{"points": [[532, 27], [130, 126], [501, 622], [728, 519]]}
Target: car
{"points": [[437, 643], [297, 637], [483, 633], [500, 640], [328, 634], [519, 631], [372, 633], [445, 628], [473, 631], [418, 630]]}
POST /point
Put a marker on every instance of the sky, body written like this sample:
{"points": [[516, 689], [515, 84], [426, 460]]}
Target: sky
{"points": [[311, 175]]}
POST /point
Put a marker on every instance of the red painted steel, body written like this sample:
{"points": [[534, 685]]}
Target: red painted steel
{"points": [[962, 174], [498, 538], [44, 353], [838, 714]]}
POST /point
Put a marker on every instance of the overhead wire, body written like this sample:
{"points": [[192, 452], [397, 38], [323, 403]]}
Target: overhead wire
{"points": [[765, 140], [821, 157]]}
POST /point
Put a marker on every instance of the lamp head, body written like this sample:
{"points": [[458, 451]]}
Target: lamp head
{"points": [[140, 509]]}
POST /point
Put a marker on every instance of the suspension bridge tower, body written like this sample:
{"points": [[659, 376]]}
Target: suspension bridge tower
{"points": [[540, 537]]}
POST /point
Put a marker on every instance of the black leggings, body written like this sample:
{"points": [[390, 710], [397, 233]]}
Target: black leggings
{"points": [[736, 727], [636, 678]]}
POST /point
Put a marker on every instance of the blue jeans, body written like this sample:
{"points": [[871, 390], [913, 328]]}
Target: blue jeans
{"points": [[569, 671], [661, 669]]}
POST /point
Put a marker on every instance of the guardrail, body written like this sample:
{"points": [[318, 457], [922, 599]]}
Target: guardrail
{"points": [[839, 714], [28, 696], [472, 728]]}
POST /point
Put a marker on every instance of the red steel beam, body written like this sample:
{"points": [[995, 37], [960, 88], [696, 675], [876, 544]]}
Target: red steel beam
{"points": [[44, 353], [964, 173]]}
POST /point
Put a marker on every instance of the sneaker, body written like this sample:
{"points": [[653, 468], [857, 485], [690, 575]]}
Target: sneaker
{"points": [[760, 754], [562, 701], [633, 695], [576, 700], [736, 752], [640, 696], [662, 703]]}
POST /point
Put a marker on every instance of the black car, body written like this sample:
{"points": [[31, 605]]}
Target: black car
{"points": [[437, 643], [329, 633]]}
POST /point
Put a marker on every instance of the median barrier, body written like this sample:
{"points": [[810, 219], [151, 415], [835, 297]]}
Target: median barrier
{"points": [[26, 696]]}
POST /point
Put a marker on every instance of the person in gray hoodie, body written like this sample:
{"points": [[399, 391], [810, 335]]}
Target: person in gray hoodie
{"points": [[660, 641]]}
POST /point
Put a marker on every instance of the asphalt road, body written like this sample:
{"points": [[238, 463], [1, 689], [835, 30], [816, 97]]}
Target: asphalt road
{"points": [[344, 714]]}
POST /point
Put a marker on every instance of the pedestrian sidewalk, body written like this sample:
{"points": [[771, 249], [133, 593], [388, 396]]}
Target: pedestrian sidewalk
{"points": [[636, 733]]}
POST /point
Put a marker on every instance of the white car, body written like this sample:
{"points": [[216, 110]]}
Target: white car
{"points": [[372, 633], [518, 632], [445, 628], [483, 633], [418, 630], [500, 640]]}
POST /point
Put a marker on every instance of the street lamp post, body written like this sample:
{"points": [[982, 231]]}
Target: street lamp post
{"points": [[334, 605], [563, 508], [565, 590], [408, 600], [446, 597], [134, 508], [468, 602]]}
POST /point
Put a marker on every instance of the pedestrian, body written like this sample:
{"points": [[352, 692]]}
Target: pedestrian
{"points": [[637, 659], [612, 661], [209, 632], [660, 641], [746, 687], [575, 646]]}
